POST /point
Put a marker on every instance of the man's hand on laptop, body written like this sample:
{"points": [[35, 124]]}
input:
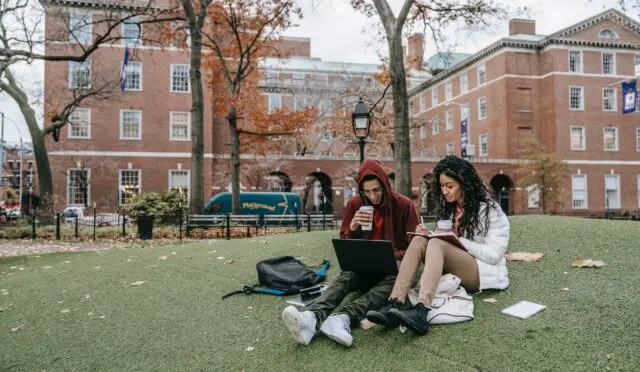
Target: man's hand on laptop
{"points": [[360, 218]]}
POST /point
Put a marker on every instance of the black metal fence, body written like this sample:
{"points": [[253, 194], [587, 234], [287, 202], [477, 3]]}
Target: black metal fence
{"points": [[119, 227]]}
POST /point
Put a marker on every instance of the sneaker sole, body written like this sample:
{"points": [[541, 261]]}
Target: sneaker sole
{"points": [[291, 321], [407, 322]]}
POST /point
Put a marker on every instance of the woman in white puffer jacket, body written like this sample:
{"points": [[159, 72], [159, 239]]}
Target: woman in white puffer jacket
{"points": [[482, 228]]}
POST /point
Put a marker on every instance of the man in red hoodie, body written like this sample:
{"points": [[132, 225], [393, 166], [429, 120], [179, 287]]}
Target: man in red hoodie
{"points": [[393, 216]]}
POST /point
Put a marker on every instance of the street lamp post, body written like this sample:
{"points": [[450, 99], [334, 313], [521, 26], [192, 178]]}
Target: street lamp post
{"points": [[361, 121]]}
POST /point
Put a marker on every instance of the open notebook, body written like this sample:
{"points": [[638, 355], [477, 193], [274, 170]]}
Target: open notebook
{"points": [[524, 309], [446, 236]]}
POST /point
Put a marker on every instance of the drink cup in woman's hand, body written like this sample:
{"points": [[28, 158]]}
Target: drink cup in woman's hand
{"points": [[444, 226]]}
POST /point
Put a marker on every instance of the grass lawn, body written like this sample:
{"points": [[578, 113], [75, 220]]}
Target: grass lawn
{"points": [[78, 311]]}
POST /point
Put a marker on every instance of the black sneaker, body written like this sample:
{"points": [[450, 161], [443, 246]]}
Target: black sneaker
{"points": [[381, 317], [414, 318]]}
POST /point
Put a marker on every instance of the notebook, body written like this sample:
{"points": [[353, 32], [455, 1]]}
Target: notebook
{"points": [[446, 236], [524, 309]]}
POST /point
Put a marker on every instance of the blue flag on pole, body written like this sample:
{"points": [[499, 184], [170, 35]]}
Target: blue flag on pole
{"points": [[123, 73], [463, 138], [629, 95]]}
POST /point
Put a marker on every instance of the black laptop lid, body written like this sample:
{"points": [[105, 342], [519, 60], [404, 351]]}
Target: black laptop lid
{"points": [[366, 256]]}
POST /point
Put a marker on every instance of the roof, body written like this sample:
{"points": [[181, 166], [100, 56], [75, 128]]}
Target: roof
{"points": [[538, 42], [317, 65], [444, 60]]}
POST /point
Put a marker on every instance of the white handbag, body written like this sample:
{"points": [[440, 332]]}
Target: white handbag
{"points": [[451, 304]]}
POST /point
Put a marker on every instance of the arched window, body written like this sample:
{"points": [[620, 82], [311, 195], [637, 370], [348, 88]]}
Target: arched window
{"points": [[607, 33]]}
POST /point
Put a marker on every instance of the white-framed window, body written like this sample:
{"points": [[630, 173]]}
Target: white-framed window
{"points": [[575, 61], [423, 132], [130, 124], [275, 102], [482, 74], [322, 80], [80, 123], [607, 33], [448, 126], [78, 186], [612, 191], [131, 31], [435, 125], [434, 96], [609, 98], [464, 81], [80, 74], [608, 61], [179, 126], [450, 149], [129, 184], [576, 98], [484, 144], [80, 26], [179, 181], [423, 102], [299, 103], [448, 90], [637, 139], [298, 79], [611, 139], [180, 78], [133, 76], [533, 196], [636, 67], [464, 112], [482, 108], [326, 136], [578, 139], [579, 191]]}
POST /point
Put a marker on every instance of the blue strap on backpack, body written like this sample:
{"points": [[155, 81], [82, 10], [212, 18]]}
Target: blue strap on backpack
{"points": [[284, 275]]}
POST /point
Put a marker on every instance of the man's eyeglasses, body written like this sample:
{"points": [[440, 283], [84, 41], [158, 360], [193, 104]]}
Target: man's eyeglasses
{"points": [[376, 190]]}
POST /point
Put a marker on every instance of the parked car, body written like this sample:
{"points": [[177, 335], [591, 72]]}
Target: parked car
{"points": [[280, 203], [70, 214]]}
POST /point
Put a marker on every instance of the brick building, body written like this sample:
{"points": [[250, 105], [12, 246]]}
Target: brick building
{"points": [[555, 87]]}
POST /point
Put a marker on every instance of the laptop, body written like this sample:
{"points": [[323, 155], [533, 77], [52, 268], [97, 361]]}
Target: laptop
{"points": [[366, 256]]}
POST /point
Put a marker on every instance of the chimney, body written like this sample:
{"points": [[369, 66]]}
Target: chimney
{"points": [[522, 26], [415, 57]]}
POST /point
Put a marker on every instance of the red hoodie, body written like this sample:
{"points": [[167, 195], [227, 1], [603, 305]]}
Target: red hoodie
{"points": [[398, 213]]}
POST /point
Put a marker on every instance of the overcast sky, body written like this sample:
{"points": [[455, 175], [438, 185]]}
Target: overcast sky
{"points": [[337, 33]]}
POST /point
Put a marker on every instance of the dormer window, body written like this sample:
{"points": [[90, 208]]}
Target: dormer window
{"points": [[607, 33]]}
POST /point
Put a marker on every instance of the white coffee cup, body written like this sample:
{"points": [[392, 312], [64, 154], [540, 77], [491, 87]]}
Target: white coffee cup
{"points": [[367, 209], [444, 226]]}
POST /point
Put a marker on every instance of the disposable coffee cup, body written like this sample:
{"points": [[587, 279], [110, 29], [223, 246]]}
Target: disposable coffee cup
{"points": [[367, 209], [444, 226]]}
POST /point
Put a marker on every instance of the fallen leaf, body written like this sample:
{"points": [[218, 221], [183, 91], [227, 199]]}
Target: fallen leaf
{"points": [[67, 262], [102, 317], [174, 253], [587, 263], [139, 282], [65, 311], [221, 257], [250, 348], [565, 272], [89, 314], [14, 329], [565, 289], [162, 258], [490, 300], [609, 356], [250, 308], [524, 256], [228, 262], [46, 267], [366, 324], [87, 296], [4, 292], [97, 267]]}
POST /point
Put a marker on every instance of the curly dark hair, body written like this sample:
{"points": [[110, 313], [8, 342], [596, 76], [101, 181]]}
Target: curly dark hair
{"points": [[474, 192]]}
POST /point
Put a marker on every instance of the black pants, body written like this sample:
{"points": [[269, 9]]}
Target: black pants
{"points": [[376, 290]]}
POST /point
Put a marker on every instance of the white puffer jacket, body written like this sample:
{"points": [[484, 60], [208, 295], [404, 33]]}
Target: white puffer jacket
{"points": [[489, 249]]}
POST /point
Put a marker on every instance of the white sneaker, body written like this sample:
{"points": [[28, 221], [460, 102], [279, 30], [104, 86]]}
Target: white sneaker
{"points": [[338, 328], [302, 325]]}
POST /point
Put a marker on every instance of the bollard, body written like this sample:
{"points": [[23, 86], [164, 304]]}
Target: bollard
{"points": [[94, 221], [124, 226], [324, 220], [76, 227], [297, 223], [57, 226], [228, 226], [33, 225], [308, 222]]}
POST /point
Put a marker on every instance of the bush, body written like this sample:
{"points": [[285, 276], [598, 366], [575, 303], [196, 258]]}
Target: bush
{"points": [[165, 205]]}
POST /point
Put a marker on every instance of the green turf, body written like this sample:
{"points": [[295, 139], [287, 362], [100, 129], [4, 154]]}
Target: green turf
{"points": [[176, 320]]}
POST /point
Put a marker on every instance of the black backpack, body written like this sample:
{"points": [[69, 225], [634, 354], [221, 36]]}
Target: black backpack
{"points": [[284, 275]]}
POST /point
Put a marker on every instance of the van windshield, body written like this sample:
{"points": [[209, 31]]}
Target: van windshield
{"points": [[215, 207]]}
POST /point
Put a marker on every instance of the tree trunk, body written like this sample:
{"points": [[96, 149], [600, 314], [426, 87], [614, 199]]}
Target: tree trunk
{"points": [[196, 203], [45, 180], [402, 144], [232, 118]]}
